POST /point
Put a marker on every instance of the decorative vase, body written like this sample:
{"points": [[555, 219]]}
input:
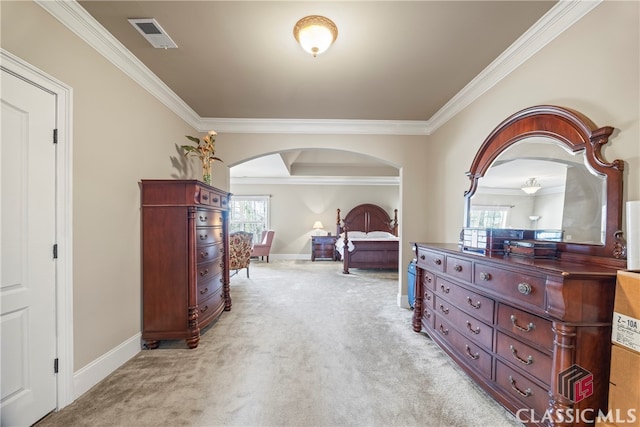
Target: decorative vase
{"points": [[206, 172]]}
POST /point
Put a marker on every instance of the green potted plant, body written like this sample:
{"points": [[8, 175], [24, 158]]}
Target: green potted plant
{"points": [[205, 150]]}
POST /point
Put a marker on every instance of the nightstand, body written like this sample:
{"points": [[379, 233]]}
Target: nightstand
{"points": [[323, 247]]}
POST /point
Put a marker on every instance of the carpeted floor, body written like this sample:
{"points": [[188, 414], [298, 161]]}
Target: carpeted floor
{"points": [[304, 345]]}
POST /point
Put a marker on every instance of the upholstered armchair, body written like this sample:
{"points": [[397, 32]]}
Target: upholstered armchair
{"points": [[263, 248], [240, 251]]}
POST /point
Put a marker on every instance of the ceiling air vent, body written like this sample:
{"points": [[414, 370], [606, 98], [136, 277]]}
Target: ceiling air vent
{"points": [[153, 32]]}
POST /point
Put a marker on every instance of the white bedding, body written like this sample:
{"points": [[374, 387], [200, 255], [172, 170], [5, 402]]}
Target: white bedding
{"points": [[361, 235]]}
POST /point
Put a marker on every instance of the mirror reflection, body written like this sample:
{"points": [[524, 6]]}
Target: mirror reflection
{"points": [[538, 184]]}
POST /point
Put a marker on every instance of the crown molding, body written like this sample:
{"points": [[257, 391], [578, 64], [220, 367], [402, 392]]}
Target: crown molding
{"points": [[82, 24], [317, 180], [560, 17], [317, 126]]}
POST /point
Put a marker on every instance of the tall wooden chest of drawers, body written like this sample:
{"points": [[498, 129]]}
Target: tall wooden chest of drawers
{"points": [[185, 273], [533, 333]]}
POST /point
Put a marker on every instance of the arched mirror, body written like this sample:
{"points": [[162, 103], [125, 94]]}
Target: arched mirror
{"points": [[541, 170]]}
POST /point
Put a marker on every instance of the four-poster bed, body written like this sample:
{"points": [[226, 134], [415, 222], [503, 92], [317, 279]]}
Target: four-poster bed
{"points": [[367, 238]]}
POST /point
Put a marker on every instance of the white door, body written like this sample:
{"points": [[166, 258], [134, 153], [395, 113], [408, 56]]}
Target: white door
{"points": [[28, 228]]}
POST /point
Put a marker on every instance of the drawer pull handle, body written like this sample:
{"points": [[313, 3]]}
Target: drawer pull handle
{"points": [[514, 321], [204, 291], [529, 360], [485, 276], [203, 255], [443, 309], [443, 330], [471, 355], [429, 279], [427, 297], [220, 234], [476, 305], [428, 314], [203, 236], [438, 261], [422, 257], [204, 272], [215, 200], [203, 218], [525, 393], [524, 288], [458, 268], [470, 328], [445, 290], [202, 310], [204, 197]]}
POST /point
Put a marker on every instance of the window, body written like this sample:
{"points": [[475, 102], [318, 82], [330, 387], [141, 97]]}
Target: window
{"points": [[249, 213], [488, 216]]}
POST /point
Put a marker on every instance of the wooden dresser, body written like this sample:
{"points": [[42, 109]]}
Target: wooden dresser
{"points": [[525, 329], [185, 273], [529, 317]]}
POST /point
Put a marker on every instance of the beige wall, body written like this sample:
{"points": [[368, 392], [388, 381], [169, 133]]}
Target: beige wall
{"points": [[410, 154], [122, 134], [294, 209], [592, 67]]}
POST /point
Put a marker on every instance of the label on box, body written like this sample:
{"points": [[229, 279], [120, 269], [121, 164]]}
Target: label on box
{"points": [[626, 331]]}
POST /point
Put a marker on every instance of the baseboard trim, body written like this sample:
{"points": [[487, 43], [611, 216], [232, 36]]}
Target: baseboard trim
{"points": [[88, 376]]}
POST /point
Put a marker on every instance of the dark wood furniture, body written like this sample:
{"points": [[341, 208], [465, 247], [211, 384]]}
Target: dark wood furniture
{"points": [[323, 247], [185, 260], [534, 333], [368, 253]]}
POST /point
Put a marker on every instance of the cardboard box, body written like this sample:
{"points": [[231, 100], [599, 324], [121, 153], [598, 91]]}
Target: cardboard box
{"points": [[624, 386], [625, 329]]}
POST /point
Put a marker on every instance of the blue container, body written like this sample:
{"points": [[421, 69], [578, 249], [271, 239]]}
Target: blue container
{"points": [[411, 283]]}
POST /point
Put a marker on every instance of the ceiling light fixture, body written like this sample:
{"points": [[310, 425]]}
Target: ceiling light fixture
{"points": [[315, 33], [531, 186]]}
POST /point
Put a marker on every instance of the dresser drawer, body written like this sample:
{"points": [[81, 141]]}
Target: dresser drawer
{"points": [[206, 271], [511, 285], [208, 287], [207, 218], [468, 350], [458, 267], [528, 326], [428, 318], [468, 326], [428, 299], [429, 280], [433, 261], [211, 306], [208, 253], [478, 305], [209, 198], [526, 391], [208, 235], [524, 357]]}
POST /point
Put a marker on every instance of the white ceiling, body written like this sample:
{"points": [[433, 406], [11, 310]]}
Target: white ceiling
{"points": [[397, 67]]}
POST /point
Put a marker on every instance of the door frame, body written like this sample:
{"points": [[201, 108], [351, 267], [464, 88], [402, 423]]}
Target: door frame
{"points": [[64, 224]]}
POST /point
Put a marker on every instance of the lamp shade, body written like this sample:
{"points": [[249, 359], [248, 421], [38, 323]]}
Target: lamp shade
{"points": [[315, 33], [318, 225]]}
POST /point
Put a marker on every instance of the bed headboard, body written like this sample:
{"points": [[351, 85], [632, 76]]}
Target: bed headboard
{"points": [[368, 217]]}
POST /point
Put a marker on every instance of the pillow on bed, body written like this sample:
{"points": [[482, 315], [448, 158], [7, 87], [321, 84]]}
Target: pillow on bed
{"points": [[379, 235], [355, 234]]}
